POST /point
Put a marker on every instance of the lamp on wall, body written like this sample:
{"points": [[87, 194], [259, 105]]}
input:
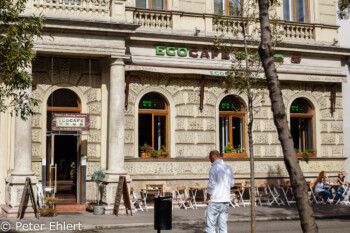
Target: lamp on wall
{"points": [[197, 31]]}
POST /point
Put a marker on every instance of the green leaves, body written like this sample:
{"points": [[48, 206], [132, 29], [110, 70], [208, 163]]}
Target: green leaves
{"points": [[17, 34], [344, 9]]}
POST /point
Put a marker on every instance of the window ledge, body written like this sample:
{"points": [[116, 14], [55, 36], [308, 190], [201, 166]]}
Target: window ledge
{"points": [[234, 155]]}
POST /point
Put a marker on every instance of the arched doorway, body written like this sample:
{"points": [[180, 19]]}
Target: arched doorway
{"points": [[63, 170]]}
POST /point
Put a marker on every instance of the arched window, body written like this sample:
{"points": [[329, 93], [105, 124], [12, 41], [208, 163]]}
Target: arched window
{"points": [[231, 126], [301, 125], [153, 121], [296, 10], [62, 100]]}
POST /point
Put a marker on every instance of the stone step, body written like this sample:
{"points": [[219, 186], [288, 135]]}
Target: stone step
{"points": [[70, 208]]}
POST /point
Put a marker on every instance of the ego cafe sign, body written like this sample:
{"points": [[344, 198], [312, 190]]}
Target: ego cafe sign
{"points": [[192, 52]]}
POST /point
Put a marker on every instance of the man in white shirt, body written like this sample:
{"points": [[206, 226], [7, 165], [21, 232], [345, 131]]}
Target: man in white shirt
{"points": [[218, 193]]}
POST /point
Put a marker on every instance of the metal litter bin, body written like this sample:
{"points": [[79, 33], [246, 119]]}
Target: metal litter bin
{"points": [[162, 213]]}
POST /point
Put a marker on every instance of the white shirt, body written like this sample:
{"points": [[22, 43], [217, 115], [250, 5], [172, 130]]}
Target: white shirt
{"points": [[319, 186], [220, 182]]}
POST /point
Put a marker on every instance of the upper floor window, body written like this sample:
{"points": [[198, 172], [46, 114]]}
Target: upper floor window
{"points": [[296, 10], [231, 126], [301, 125], [227, 7], [152, 4]]}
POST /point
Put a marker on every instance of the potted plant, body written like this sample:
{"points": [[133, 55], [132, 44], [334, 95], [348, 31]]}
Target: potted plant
{"points": [[145, 151], [306, 154], [163, 152], [49, 209], [230, 151], [98, 176]]}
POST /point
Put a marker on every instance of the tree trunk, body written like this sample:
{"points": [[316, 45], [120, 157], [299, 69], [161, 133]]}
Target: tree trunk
{"points": [[297, 179], [252, 171]]}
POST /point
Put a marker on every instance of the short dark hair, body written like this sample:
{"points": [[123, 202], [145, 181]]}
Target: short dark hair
{"points": [[215, 153]]}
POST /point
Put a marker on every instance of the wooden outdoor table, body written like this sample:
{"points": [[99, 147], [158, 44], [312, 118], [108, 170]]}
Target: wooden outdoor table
{"points": [[194, 191], [146, 192]]}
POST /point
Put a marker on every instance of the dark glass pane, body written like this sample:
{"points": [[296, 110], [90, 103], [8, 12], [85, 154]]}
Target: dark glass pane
{"points": [[237, 133], [300, 106], [152, 101], [300, 6], [307, 132], [287, 10], [295, 127], [65, 154], [159, 132], [63, 98], [141, 3], [234, 7], [158, 4], [218, 6], [145, 129], [231, 103], [48, 121], [224, 132]]}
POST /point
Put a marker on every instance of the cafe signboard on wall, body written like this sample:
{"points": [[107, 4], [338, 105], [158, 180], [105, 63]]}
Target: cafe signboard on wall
{"points": [[70, 122]]}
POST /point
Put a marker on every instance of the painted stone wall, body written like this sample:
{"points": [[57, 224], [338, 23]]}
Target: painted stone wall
{"points": [[82, 77], [193, 132]]}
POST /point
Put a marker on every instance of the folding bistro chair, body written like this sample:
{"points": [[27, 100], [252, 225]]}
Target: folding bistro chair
{"points": [[275, 195], [233, 199], [346, 196], [135, 202], [183, 198], [314, 196], [263, 195]]}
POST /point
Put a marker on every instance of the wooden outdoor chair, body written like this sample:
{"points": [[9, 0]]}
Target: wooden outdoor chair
{"points": [[136, 203], [275, 194], [183, 198]]}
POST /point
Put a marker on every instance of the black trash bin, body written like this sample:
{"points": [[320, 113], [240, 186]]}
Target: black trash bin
{"points": [[162, 213]]}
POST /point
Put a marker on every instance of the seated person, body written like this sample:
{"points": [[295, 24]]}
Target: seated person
{"points": [[321, 181], [344, 186]]}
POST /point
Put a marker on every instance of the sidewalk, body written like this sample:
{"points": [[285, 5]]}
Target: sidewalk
{"points": [[180, 217]]}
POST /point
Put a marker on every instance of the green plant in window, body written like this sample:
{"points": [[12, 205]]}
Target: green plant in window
{"points": [[239, 149], [228, 148], [297, 150], [310, 151], [164, 151]]}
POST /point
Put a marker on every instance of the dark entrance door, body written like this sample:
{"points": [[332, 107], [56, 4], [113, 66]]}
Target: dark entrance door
{"points": [[65, 152], [63, 147]]}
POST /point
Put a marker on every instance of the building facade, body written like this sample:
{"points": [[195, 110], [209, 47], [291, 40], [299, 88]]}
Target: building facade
{"points": [[146, 73]]}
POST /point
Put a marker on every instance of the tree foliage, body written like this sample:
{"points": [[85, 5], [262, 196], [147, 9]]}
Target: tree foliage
{"points": [[17, 35], [344, 9]]}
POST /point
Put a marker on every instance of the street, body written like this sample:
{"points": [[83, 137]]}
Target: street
{"points": [[326, 226]]}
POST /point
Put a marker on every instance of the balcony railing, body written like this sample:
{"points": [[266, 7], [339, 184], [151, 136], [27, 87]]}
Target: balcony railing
{"points": [[82, 9], [296, 31], [150, 19]]}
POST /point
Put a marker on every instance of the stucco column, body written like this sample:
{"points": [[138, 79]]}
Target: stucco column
{"points": [[115, 146], [116, 119], [23, 145], [22, 162]]}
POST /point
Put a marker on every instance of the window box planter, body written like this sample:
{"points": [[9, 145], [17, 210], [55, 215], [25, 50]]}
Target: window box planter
{"points": [[148, 155], [145, 155], [234, 155], [309, 154]]}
